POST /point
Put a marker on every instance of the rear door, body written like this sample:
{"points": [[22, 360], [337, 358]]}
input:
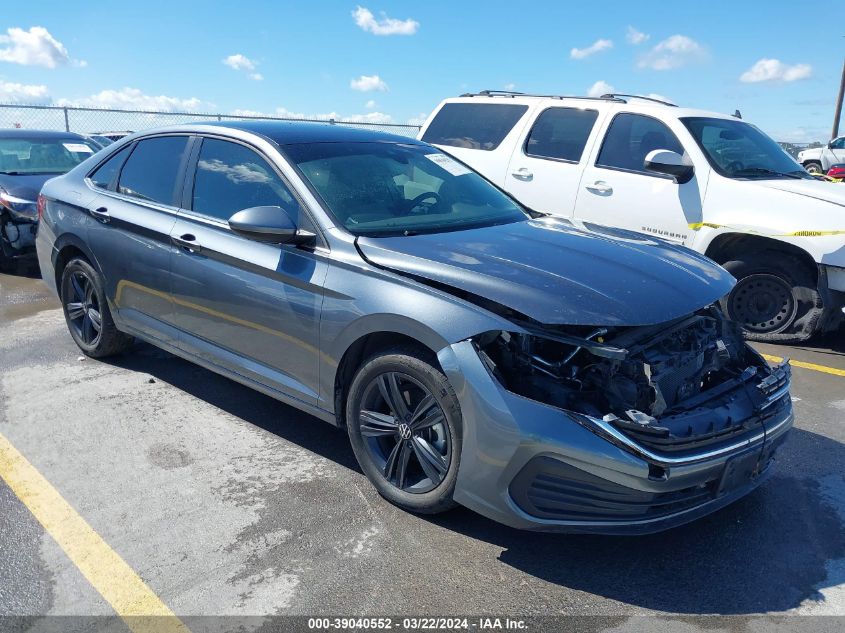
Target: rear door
{"points": [[547, 164], [616, 190], [134, 214], [250, 307], [481, 133]]}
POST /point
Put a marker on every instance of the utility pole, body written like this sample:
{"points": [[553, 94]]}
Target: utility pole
{"points": [[838, 114]]}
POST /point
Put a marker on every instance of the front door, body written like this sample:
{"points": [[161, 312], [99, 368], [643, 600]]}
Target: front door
{"points": [[250, 307], [616, 189]]}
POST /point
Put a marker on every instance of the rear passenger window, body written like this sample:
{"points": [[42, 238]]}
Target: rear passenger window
{"points": [[630, 138], [473, 125], [561, 133], [106, 174], [231, 177], [152, 169]]}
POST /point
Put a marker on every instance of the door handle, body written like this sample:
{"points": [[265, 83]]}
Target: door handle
{"points": [[523, 173], [101, 214], [186, 241], [600, 187]]}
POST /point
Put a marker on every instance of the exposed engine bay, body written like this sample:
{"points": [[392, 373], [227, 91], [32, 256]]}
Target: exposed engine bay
{"points": [[672, 386]]}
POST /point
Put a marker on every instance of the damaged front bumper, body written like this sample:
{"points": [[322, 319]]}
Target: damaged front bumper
{"points": [[535, 466]]}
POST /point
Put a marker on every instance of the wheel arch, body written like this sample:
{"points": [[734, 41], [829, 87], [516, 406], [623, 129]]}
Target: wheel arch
{"points": [[728, 246], [366, 344], [66, 248]]}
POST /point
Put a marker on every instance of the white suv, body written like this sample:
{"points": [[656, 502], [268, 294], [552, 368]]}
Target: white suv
{"points": [[818, 160], [709, 181]]}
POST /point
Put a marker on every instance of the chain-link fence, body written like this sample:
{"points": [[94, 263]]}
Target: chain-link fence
{"points": [[94, 120]]}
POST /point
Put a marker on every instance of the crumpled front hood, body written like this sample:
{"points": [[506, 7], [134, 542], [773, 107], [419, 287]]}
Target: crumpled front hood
{"points": [[555, 273], [24, 186]]}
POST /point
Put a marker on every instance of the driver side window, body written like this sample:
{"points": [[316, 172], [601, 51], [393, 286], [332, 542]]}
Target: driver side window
{"points": [[231, 177], [630, 138], [838, 143]]}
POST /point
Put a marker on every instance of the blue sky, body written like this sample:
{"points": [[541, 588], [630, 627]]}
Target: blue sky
{"points": [[777, 62]]}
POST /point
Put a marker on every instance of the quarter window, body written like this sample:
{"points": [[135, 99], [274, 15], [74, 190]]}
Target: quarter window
{"points": [[473, 125], [231, 177], [152, 169], [631, 138], [561, 133], [106, 174]]}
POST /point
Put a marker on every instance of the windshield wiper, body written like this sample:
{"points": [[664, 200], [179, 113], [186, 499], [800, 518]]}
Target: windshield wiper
{"points": [[762, 171]]}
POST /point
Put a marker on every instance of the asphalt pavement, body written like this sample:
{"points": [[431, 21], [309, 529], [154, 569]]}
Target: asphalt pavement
{"points": [[226, 502]]}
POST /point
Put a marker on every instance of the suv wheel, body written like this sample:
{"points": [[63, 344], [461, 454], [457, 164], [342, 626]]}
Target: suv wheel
{"points": [[814, 168], [404, 423], [87, 312], [775, 298]]}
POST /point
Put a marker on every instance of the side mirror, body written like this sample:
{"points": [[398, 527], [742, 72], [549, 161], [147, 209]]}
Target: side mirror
{"points": [[664, 161], [272, 225]]}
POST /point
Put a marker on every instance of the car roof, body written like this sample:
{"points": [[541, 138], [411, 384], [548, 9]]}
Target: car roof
{"points": [[24, 133], [627, 103], [293, 132]]}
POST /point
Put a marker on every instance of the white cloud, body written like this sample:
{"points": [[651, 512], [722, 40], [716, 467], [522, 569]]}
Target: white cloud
{"points": [[244, 63], [600, 88], [636, 37], [133, 99], [22, 93], [592, 49], [673, 52], [371, 104], [659, 97], [365, 19], [419, 119], [775, 70], [35, 47], [510, 87], [366, 83]]}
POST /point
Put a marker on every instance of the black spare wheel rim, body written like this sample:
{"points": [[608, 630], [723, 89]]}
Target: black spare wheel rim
{"points": [[83, 308], [763, 303], [405, 432]]}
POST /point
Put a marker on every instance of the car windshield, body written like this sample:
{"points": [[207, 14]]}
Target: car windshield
{"points": [[400, 189], [43, 155], [736, 149]]}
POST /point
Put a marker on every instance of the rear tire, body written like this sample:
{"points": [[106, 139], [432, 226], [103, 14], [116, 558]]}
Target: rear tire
{"points": [[775, 298], [87, 312], [814, 168], [411, 456]]}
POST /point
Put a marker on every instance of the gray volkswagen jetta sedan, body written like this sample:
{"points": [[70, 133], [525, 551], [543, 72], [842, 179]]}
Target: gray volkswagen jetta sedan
{"points": [[546, 375]]}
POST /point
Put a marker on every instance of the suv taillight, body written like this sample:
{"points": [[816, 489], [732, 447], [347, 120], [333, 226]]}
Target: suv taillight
{"points": [[40, 204]]}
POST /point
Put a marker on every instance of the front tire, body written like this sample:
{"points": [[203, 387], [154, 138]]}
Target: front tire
{"points": [[87, 312], [775, 298], [405, 427], [814, 168]]}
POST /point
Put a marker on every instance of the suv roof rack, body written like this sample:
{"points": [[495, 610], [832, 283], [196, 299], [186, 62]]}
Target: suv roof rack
{"points": [[511, 93], [619, 95]]}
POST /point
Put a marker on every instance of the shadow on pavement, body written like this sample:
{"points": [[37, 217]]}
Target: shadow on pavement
{"points": [[766, 552]]}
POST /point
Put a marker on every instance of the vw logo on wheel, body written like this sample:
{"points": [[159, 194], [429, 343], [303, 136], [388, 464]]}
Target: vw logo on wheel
{"points": [[404, 431]]}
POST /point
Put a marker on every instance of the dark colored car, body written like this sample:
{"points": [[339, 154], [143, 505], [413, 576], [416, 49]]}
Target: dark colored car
{"points": [[547, 375], [28, 158]]}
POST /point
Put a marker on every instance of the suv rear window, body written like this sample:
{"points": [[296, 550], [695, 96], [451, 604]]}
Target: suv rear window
{"points": [[473, 125], [561, 133]]}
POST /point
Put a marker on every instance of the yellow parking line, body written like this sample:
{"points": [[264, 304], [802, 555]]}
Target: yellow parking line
{"points": [[141, 609], [802, 364]]}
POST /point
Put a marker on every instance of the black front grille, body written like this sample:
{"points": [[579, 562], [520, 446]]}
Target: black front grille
{"points": [[550, 489]]}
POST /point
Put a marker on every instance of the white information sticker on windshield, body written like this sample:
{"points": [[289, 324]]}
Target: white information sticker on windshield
{"points": [[449, 164], [78, 148]]}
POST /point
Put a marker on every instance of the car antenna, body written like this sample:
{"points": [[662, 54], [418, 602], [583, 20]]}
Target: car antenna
{"points": [[737, 114]]}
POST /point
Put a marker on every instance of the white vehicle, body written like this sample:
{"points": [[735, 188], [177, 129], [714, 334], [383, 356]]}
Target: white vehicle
{"points": [[819, 159], [711, 182]]}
